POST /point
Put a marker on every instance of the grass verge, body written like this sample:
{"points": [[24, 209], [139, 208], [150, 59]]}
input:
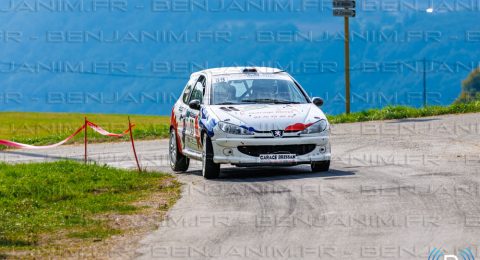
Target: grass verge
{"points": [[401, 112], [48, 208]]}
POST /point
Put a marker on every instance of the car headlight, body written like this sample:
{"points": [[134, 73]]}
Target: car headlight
{"points": [[316, 128], [234, 129]]}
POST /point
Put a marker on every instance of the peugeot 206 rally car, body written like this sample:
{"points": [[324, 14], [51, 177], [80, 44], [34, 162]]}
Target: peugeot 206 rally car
{"points": [[247, 117]]}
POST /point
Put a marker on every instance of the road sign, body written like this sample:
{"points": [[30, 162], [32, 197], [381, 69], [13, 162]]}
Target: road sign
{"points": [[343, 4], [344, 12]]}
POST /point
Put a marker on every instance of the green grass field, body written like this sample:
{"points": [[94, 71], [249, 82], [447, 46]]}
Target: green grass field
{"points": [[49, 128], [401, 112], [61, 200]]}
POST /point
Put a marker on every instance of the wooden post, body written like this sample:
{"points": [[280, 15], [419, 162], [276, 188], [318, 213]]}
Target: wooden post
{"points": [[133, 144], [86, 139], [347, 65]]}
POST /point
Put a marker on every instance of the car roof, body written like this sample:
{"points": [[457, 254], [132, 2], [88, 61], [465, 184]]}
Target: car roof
{"points": [[237, 70]]}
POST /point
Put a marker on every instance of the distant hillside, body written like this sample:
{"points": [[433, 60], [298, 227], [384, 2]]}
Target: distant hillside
{"points": [[141, 39]]}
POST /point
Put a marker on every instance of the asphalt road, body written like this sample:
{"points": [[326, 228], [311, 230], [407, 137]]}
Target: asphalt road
{"points": [[396, 190]]}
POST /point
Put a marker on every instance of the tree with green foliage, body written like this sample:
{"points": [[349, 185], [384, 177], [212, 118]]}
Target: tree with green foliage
{"points": [[470, 88]]}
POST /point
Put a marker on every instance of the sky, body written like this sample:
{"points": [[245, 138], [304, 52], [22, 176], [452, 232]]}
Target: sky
{"points": [[134, 57]]}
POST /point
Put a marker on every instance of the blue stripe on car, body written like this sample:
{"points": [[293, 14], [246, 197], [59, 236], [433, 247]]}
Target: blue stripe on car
{"points": [[207, 123]]}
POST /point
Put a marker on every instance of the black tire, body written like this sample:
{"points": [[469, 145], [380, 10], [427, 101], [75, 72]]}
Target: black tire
{"points": [[178, 161], [322, 166], [210, 170]]}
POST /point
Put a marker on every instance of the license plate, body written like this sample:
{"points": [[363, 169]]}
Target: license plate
{"points": [[277, 157]]}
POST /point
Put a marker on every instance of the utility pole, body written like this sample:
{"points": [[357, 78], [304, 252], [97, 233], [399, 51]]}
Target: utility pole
{"points": [[424, 82], [346, 8], [347, 65]]}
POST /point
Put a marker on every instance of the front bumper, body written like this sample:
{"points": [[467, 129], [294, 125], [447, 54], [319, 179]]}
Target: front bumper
{"points": [[226, 150]]}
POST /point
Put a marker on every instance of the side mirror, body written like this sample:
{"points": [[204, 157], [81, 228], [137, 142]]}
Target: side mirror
{"points": [[194, 104], [317, 101]]}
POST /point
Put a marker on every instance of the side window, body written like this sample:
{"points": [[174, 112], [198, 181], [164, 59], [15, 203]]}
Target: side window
{"points": [[188, 90], [198, 90]]}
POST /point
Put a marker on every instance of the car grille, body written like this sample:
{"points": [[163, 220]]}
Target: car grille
{"points": [[300, 149]]}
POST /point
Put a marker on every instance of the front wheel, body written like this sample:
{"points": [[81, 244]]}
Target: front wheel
{"points": [[210, 170], [322, 166], [178, 161]]}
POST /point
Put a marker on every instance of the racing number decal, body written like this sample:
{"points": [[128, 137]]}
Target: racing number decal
{"points": [[220, 80], [197, 132]]}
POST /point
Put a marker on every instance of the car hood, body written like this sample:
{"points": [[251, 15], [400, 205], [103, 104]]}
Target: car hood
{"points": [[266, 117]]}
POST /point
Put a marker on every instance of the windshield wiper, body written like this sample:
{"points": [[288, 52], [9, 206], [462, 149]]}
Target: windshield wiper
{"points": [[286, 102], [268, 100], [227, 103]]}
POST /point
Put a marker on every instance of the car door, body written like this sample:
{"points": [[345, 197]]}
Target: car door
{"points": [[181, 111], [193, 141]]}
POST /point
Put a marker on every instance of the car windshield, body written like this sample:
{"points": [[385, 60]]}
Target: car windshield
{"points": [[248, 91]]}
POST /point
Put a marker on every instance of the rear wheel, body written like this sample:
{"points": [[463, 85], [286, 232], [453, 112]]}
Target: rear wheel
{"points": [[210, 170], [322, 166], [178, 161]]}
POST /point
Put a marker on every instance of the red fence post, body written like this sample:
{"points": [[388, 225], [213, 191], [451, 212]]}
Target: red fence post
{"points": [[85, 141], [133, 145]]}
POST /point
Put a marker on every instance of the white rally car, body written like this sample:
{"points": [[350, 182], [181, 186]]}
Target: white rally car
{"points": [[247, 117]]}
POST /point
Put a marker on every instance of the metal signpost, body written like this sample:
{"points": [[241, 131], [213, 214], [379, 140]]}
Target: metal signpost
{"points": [[346, 9]]}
